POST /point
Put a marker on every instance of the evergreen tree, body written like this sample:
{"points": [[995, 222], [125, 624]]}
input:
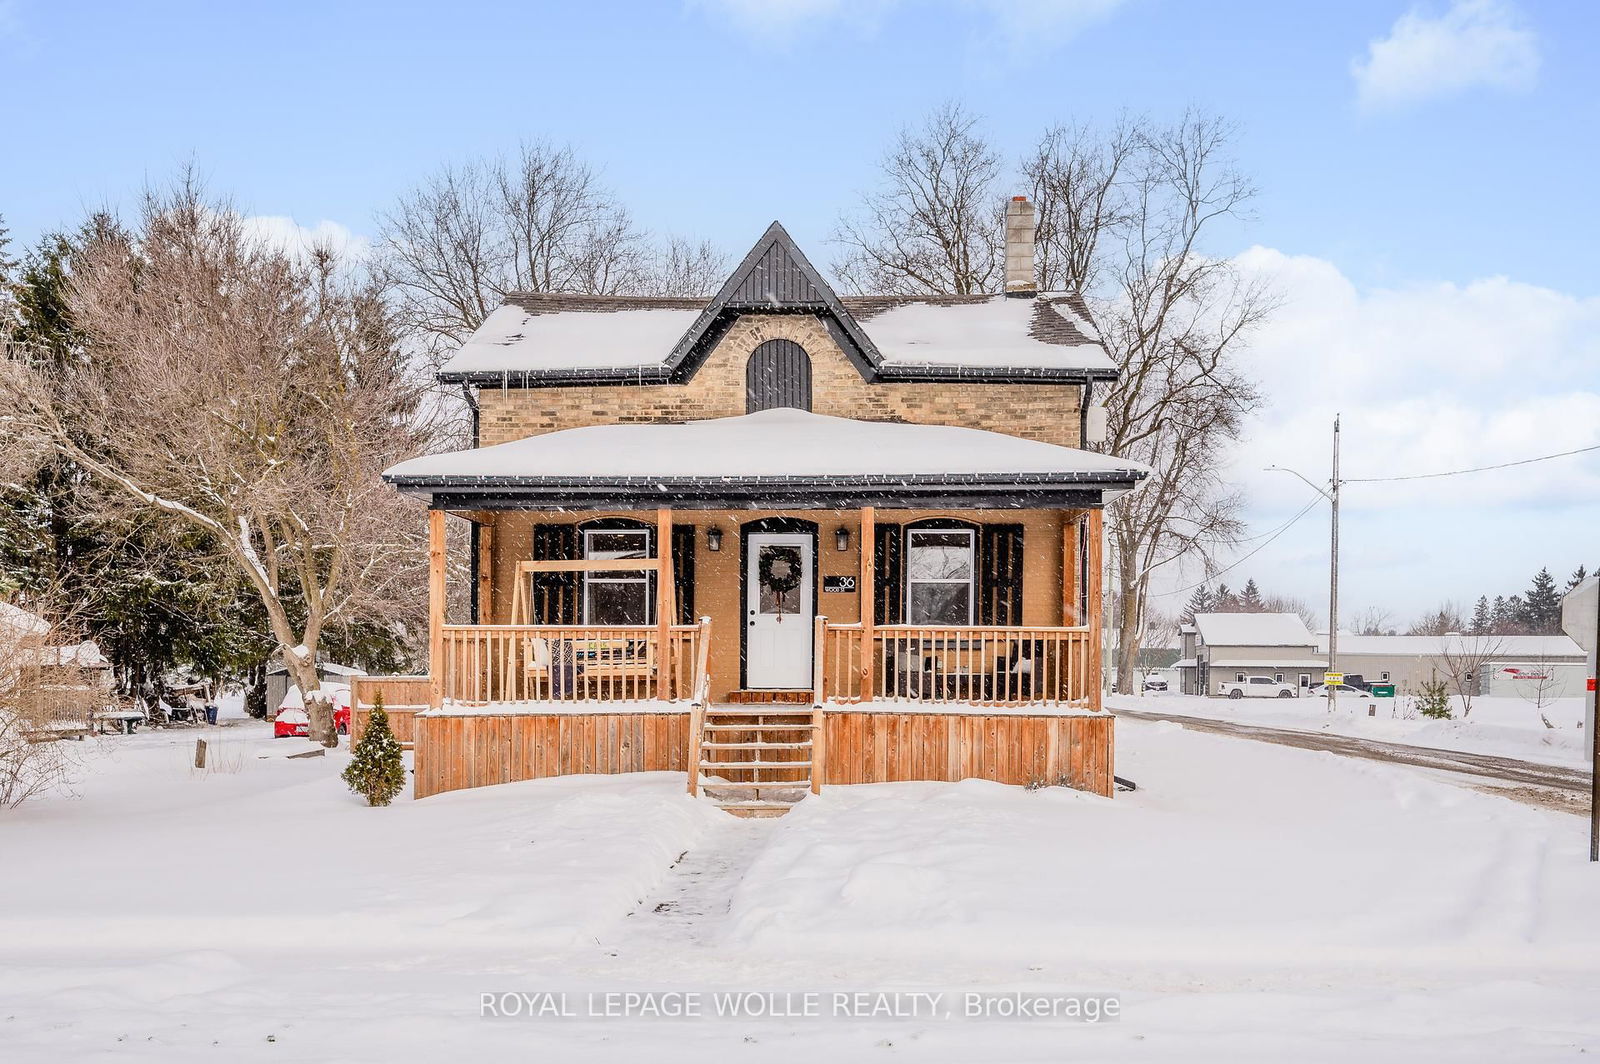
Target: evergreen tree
{"points": [[1224, 601], [1199, 602], [1516, 616], [1250, 598], [1579, 575], [1482, 620], [376, 771], [1542, 605], [1433, 701], [1500, 620]]}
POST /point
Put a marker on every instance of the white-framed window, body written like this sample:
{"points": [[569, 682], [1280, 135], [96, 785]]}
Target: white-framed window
{"points": [[1305, 679], [617, 596], [1278, 676], [1238, 677], [1384, 676], [940, 573]]}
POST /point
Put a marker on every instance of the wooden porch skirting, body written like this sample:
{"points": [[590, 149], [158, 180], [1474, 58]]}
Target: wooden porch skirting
{"points": [[403, 698], [456, 752], [882, 747]]}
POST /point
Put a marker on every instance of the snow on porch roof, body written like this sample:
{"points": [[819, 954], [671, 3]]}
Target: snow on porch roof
{"points": [[782, 446]]}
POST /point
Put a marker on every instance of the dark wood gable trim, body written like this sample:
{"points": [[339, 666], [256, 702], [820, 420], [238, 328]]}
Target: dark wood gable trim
{"points": [[774, 278]]}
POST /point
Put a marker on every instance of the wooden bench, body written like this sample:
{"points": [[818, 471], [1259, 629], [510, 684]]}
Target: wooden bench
{"points": [[594, 661]]}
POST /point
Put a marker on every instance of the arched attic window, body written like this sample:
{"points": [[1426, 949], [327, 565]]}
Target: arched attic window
{"points": [[778, 374]]}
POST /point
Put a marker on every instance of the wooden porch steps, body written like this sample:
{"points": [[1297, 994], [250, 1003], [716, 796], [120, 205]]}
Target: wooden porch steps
{"points": [[754, 759], [748, 697]]}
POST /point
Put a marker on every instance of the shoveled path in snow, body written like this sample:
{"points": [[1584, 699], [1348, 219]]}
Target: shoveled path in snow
{"points": [[1461, 762], [693, 900]]}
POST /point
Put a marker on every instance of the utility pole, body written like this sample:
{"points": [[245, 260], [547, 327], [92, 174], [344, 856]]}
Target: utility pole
{"points": [[1333, 574], [1332, 495]]}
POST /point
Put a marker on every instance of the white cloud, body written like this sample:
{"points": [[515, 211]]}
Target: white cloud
{"points": [[1427, 378], [1474, 43], [1024, 25], [1033, 25], [284, 232], [778, 21]]}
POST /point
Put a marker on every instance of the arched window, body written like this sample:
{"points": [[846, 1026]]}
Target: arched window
{"points": [[778, 374]]}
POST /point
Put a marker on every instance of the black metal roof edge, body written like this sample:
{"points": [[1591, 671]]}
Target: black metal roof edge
{"points": [[556, 378], [1064, 497], [887, 372], [930, 374], [667, 485]]}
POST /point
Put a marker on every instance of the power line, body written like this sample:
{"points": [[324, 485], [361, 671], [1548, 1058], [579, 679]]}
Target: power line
{"points": [[1281, 529], [1475, 469]]}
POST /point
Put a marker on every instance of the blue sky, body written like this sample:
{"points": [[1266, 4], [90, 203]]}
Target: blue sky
{"points": [[1465, 152]]}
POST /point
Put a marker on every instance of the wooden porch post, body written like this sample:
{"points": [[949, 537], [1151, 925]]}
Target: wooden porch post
{"points": [[867, 594], [1071, 571], [664, 605], [436, 559], [1096, 554], [485, 574]]}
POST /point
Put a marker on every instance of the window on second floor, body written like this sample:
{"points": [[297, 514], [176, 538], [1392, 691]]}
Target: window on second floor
{"points": [[778, 374]]}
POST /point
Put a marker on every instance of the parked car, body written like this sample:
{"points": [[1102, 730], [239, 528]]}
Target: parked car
{"points": [[292, 719], [1346, 688], [1155, 684], [1257, 687]]}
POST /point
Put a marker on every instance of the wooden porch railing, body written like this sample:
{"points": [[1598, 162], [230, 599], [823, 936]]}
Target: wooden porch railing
{"points": [[487, 664], [980, 666]]}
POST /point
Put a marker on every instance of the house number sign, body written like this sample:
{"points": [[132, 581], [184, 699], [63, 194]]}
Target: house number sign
{"points": [[838, 584]]}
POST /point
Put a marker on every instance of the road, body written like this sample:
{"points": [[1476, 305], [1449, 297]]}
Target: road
{"points": [[1553, 786]]}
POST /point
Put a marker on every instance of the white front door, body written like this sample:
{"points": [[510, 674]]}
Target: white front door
{"points": [[779, 610]]}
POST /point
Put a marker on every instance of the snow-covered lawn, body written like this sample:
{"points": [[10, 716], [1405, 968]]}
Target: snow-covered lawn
{"points": [[1500, 725], [1248, 902]]}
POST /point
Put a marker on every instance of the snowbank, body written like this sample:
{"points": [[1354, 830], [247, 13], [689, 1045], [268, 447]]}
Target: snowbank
{"points": [[1230, 856], [1509, 727]]}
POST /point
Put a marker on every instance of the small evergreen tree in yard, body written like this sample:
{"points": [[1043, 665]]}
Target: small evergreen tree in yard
{"points": [[376, 771], [1434, 701]]}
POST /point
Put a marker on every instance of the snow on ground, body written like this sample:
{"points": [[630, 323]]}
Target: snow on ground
{"points": [[1501, 725], [1248, 903]]}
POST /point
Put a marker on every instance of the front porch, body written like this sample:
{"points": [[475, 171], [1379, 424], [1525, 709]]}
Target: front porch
{"points": [[845, 609], [525, 695]]}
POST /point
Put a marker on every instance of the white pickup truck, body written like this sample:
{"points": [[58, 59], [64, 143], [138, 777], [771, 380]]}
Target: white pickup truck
{"points": [[1257, 687]]}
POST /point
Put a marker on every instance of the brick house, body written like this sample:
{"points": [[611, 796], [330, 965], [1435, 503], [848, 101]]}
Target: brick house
{"points": [[772, 539]]}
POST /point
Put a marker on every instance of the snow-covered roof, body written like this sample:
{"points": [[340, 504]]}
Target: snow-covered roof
{"points": [[996, 332], [568, 335], [1505, 647], [564, 337], [552, 334], [19, 623], [86, 655], [1254, 630], [772, 445]]}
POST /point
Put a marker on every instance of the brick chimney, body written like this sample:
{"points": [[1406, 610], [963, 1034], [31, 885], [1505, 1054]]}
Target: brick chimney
{"points": [[1019, 248]]}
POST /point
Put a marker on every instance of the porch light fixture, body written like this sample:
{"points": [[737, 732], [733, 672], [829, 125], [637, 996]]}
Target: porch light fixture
{"points": [[714, 538], [841, 538]]}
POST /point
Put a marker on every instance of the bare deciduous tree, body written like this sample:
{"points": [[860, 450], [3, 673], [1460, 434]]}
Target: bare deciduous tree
{"points": [[1290, 604], [1130, 212], [1373, 620], [1460, 660], [935, 226], [686, 268], [251, 394], [1442, 620], [540, 222], [1539, 685]]}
